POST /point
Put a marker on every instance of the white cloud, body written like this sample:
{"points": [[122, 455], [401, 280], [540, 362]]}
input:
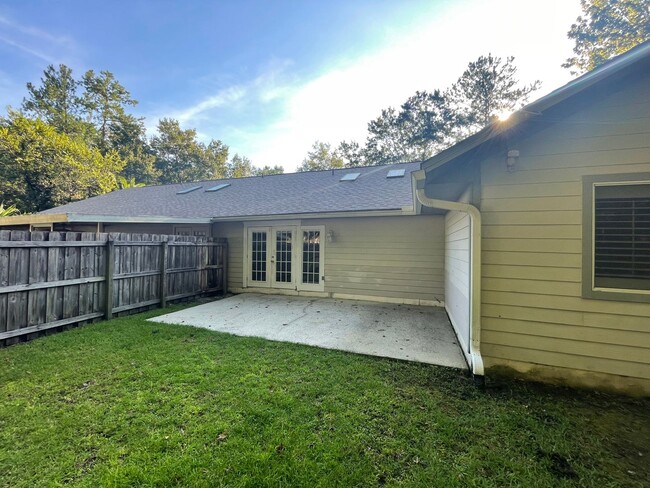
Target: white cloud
{"points": [[34, 52], [223, 97], [35, 42], [428, 54], [338, 104]]}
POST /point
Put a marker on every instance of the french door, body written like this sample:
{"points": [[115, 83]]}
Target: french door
{"points": [[289, 257]]}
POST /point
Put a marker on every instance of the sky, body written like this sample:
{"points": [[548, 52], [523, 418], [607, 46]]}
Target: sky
{"points": [[269, 78]]}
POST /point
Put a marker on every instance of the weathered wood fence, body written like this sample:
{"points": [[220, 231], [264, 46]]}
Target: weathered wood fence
{"points": [[56, 279]]}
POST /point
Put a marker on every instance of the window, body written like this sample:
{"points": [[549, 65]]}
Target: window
{"points": [[184, 191], [258, 256], [616, 261], [311, 257], [218, 187], [350, 177], [396, 173]]}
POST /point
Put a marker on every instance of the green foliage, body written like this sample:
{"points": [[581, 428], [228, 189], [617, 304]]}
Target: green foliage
{"points": [[123, 183], [351, 153], [132, 403], [181, 157], [487, 88], [8, 211], [429, 122], [56, 102], [605, 29], [239, 167], [104, 100], [84, 128], [421, 128], [43, 167], [268, 170], [321, 157]]}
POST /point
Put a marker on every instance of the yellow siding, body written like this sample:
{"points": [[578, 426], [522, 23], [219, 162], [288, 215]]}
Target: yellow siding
{"points": [[398, 259], [386, 257], [234, 232], [533, 312]]}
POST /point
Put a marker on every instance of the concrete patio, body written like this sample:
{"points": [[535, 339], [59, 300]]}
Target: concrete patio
{"points": [[406, 332]]}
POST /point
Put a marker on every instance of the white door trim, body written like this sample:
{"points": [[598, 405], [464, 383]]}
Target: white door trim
{"points": [[248, 269], [273, 257], [297, 255], [320, 286]]}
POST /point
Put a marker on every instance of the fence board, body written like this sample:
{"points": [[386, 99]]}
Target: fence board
{"points": [[45, 284], [55, 262], [71, 271], [36, 299], [5, 235], [18, 274]]}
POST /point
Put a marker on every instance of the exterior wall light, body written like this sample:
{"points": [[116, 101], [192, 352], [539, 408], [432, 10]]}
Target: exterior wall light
{"points": [[330, 236], [512, 159]]}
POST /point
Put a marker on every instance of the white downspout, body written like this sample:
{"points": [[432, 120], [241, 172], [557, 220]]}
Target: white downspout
{"points": [[475, 264]]}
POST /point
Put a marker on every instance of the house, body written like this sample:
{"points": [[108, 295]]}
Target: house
{"points": [[357, 232], [558, 286], [534, 233]]}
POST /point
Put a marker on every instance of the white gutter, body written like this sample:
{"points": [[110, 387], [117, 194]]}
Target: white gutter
{"points": [[475, 265]]}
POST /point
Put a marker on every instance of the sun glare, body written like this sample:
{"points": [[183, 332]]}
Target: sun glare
{"points": [[503, 116]]}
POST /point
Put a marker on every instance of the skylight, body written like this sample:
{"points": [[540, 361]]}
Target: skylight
{"points": [[188, 190], [218, 187], [350, 177], [396, 173]]}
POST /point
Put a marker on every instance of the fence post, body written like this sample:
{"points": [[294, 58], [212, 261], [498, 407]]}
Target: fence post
{"points": [[110, 268], [163, 274], [224, 269]]}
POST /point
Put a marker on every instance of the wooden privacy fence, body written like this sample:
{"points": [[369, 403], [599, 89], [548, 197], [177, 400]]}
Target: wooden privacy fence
{"points": [[54, 279]]}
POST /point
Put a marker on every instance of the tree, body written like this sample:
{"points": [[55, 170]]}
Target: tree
{"points": [[607, 28], [321, 157], [128, 138], [421, 128], [56, 101], [123, 183], [351, 153], [240, 167], [43, 168], [104, 101], [488, 88], [268, 170], [181, 157]]}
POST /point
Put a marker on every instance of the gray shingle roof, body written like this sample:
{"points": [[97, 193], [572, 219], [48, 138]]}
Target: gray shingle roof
{"points": [[293, 193]]}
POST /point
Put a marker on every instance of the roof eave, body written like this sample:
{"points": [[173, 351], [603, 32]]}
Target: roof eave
{"points": [[33, 219], [87, 218], [407, 210], [537, 107]]}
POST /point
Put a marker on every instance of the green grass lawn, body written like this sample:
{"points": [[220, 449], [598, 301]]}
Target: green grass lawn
{"points": [[127, 402]]}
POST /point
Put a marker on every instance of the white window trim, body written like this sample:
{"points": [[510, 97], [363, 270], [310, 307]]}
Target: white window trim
{"points": [[321, 262]]}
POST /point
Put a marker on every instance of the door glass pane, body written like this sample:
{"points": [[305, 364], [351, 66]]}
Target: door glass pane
{"points": [[283, 256], [258, 256], [311, 257]]}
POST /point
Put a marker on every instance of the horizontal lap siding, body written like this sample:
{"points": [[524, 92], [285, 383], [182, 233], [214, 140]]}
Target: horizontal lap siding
{"points": [[390, 257], [532, 309], [234, 232]]}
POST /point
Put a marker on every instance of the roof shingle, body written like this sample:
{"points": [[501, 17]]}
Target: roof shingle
{"points": [[293, 193]]}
